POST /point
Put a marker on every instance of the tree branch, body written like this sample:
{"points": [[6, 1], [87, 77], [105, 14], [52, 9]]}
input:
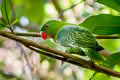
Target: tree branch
{"points": [[108, 37], [38, 35], [26, 34], [60, 55]]}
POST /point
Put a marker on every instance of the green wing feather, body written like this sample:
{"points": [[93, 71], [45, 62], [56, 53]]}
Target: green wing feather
{"points": [[73, 36]]}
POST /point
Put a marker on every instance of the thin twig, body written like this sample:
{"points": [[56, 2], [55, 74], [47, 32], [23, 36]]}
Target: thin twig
{"points": [[80, 62], [38, 35], [108, 37], [26, 34], [73, 5], [11, 29], [56, 4]]}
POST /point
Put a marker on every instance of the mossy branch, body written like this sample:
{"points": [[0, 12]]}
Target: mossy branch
{"points": [[41, 49]]}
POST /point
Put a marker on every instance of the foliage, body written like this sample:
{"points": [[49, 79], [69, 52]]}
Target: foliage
{"points": [[103, 24], [29, 15], [6, 11], [114, 58]]}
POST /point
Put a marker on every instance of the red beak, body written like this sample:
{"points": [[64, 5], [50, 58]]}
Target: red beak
{"points": [[43, 35]]}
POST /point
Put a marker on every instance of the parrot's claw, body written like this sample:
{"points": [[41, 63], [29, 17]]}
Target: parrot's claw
{"points": [[62, 62], [66, 59], [91, 63]]}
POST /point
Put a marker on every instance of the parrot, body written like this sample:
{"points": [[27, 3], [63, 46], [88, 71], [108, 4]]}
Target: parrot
{"points": [[76, 39]]}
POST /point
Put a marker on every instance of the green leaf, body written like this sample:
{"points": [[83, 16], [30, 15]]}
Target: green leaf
{"points": [[113, 60], [2, 25], [6, 11], [15, 21], [103, 24], [101, 76], [115, 4]]}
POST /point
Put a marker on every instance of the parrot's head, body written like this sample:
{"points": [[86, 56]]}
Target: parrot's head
{"points": [[50, 29]]}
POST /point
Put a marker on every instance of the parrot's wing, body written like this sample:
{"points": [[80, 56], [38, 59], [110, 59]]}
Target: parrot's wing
{"points": [[85, 37], [75, 37]]}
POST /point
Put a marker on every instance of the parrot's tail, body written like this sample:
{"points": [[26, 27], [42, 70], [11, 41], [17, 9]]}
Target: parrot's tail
{"points": [[102, 51], [98, 47]]}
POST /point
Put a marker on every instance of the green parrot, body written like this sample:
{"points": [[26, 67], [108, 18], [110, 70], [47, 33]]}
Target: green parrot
{"points": [[77, 39]]}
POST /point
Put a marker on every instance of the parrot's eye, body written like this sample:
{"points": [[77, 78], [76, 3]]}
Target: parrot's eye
{"points": [[47, 25]]}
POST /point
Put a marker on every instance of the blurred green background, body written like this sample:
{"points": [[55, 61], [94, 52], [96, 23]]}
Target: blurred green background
{"points": [[31, 15]]}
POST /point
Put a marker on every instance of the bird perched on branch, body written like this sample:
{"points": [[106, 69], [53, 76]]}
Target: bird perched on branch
{"points": [[77, 39]]}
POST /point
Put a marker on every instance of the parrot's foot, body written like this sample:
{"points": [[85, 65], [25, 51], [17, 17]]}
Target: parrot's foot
{"points": [[66, 59], [91, 63]]}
